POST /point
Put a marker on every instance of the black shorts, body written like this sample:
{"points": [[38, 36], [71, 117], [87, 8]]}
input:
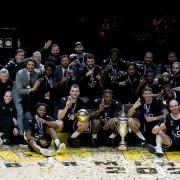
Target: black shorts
{"points": [[145, 127], [71, 126], [146, 130], [175, 146]]}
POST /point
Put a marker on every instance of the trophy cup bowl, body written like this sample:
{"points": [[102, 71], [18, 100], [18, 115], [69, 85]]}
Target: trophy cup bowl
{"points": [[121, 124], [82, 115]]}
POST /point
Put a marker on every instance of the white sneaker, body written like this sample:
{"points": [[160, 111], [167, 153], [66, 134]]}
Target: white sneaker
{"points": [[159, 151], [45, 152], [61, 148], [155, 150]]}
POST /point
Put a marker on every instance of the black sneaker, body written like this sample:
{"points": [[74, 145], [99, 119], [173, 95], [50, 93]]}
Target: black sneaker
{"points": [[72, 142], [22, 141], [142, 143], [94, 143], [110, 142], [6, 143]]}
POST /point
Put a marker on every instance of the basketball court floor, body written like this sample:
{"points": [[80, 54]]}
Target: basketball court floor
{"points": [[88, 163]]}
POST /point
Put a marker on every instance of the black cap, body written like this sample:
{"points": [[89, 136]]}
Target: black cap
{"points": [[78, 44]]}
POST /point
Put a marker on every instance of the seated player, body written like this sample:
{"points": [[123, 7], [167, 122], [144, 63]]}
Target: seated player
{"points": [[105, 109], [40, 131], [68, 108], [145, 114], [167, 131]]}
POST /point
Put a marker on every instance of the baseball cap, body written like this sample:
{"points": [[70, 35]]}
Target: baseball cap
{"points": [[78, 44]]}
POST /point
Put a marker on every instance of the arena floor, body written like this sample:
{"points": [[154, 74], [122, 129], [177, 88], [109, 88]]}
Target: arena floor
{"points": [[87, 163]]}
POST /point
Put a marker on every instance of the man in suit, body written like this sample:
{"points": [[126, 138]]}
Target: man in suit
{"points": [[64, 76], [24, 89]]}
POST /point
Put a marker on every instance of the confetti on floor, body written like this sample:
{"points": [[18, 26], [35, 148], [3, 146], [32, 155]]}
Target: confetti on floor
{"points": [[89, 163]]}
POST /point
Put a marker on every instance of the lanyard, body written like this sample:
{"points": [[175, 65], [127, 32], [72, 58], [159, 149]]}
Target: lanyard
{"points": [[73, 109], [80, 59], [49, 81], [71, 115], [147, 108], [40, 126], [113, 70]]}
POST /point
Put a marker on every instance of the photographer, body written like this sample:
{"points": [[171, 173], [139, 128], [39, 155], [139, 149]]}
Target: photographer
{"points": [[41, 130]]}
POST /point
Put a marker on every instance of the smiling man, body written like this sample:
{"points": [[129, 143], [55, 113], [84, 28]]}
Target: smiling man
{"points": [[68, 108], [167, 131]]}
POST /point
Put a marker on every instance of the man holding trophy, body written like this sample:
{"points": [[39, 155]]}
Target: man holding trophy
{"points": [[103, 119], [69, 114]]}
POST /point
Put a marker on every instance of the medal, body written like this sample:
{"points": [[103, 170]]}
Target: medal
{"points": [[72, 114], [71, 117]]}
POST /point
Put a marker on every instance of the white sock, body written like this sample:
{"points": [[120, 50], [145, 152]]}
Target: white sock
{"points": [[94, 136], [57, 142], [75, 134], [158, 141], [140, 135], [112, 136]]}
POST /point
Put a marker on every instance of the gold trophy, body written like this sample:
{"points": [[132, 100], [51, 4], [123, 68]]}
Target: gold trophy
{"points": [[82, 115], [121, 124]]}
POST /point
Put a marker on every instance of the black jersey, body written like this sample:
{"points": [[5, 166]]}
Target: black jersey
{"points": [[7, 111], [37, 129], [69, 119], [173, 128], [109, 111], [71, 112], [153, 109]]}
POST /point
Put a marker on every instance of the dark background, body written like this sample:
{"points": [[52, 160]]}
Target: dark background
{"points": [[79, 21]]}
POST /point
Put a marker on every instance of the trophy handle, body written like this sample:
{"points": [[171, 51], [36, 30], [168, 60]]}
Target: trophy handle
{"points": [[114, 121]]}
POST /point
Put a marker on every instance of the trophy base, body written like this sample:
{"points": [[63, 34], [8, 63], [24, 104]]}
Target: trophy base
{"points": [[122, 148]]}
